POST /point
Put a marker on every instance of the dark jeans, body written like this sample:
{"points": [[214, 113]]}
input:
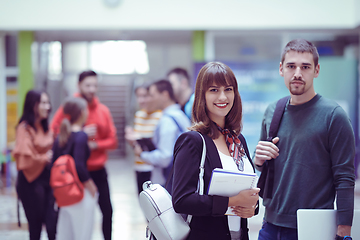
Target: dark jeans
{"points": [[38, 202], [100, 179], [272, 232], [142, 177]]}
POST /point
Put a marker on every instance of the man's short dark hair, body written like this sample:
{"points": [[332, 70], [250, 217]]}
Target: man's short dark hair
{"points": [[164, 85], [181, 72], [301, 45], [144, 86], [85, 74]]}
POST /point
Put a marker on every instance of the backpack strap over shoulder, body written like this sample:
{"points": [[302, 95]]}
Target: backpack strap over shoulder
{"points": [[177, 124], [276, 119], [267, 174]]}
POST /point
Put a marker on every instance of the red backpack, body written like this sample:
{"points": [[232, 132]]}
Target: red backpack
{"points": [[65, 182]]}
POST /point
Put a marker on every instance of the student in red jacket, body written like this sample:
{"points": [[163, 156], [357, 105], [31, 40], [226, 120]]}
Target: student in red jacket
{"points": [[101, 132]]}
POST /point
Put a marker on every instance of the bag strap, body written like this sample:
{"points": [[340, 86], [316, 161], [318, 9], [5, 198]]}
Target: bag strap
{"points": [[177, 124], [276, 119], [200, 186], [267, 173]]}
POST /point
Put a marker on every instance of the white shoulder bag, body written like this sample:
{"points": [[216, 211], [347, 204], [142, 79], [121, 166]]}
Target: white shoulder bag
{"points": [[157, 207]]}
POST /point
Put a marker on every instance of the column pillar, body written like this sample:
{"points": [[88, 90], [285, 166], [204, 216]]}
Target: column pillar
{"points": [[26, 76], [3, 111], [198, 44]]}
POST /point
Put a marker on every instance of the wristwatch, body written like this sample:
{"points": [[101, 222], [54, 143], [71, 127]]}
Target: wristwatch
{"points": [[343, 238]]}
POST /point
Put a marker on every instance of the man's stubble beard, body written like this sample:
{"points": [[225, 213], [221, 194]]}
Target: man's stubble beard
{"points": [[297, 90]]}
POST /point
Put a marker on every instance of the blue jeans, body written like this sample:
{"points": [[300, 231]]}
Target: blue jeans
{"points": [[272, 232]]}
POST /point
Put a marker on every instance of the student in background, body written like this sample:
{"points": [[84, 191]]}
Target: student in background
{"points": [[172, 123], [181, 84], [217, 115], [33, 154], [101, 133], [145, 122], [75, 221]]}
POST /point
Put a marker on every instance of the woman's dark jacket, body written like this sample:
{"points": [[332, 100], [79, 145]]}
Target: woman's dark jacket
{"points": [[209, 220]]}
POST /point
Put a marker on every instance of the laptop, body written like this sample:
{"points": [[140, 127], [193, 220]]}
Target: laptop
{"points": [[320, 224]]}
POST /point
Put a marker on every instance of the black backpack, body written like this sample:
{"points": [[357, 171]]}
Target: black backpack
{"points": [[267, 173]]}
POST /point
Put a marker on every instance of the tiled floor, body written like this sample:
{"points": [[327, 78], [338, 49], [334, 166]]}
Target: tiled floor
{"points": [[128, 221]]}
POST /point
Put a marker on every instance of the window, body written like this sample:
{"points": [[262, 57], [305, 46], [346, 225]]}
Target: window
{"points": [[119, 57], [54, 64]]}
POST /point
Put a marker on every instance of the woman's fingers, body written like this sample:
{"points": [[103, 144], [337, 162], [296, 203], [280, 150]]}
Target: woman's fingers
{"points": [[244, 212]]}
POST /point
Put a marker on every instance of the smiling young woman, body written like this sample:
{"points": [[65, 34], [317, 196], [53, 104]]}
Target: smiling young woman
{"points": [[215, 74], [217, 114]]}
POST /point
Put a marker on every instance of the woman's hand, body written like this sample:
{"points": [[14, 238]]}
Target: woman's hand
{"points": [[246, 198], [90, 185], [244, 212]]}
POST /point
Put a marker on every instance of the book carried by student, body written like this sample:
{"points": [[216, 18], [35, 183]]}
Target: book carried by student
{"points": [[146, 144], [229, 183]]}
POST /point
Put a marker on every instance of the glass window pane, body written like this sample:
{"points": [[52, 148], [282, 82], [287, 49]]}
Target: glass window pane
{"points": [[119, 57]]}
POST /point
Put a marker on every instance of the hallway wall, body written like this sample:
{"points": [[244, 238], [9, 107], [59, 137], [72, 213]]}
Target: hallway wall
{"points": [[176, 15]]}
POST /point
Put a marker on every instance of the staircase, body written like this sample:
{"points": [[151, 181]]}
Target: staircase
{"points": [[115, 91]]}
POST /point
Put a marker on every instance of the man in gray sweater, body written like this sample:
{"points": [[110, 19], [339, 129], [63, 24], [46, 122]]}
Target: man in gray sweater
{"points": [[313, 151]]}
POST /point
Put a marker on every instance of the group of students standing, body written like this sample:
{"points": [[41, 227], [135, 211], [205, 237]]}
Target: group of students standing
{"points": [[165, 112], [313, 152], [83, 128]]}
